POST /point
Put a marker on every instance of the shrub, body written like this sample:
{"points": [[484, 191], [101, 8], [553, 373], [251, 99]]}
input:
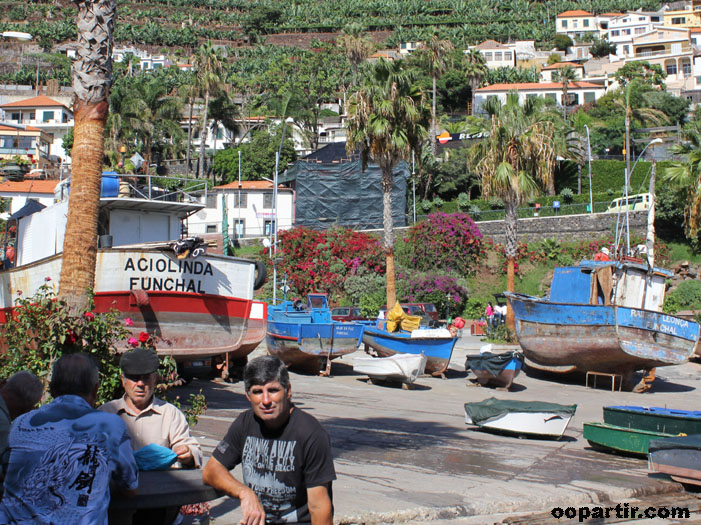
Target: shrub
{"points": [[450, 242], [463, 200], [475, 211], [496, 203], [426, 205], [366, 290], [437, 202], [686, 296], [443, 291], [567, 195]]}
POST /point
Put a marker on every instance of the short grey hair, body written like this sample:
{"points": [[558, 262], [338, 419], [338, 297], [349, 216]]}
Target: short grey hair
{"points": [[263, 370], [26, 388], [74, 374]]}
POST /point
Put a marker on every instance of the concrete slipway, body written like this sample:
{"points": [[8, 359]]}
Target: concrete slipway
{"points": [[408, 456]]}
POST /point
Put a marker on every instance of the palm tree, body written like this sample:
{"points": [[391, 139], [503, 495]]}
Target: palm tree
{"points": [[437, 57], [92, 76], [357, 46], [387, 119], [476, 70], [208, 64], [687, 175], [513, 161], [565, 74]]}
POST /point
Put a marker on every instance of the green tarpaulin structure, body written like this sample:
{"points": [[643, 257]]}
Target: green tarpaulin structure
{"points": [[494, 408]]}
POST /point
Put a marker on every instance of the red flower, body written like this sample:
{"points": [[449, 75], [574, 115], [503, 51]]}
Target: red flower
{"points": [[144, 337], [89, 315], [70, 337]]}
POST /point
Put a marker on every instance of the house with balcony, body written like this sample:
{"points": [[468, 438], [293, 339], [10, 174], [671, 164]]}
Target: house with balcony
{"points": [[497, 55], [19, 192], [547, 73], [669, 47], [580, 92], [250, 210], [46, 114], [688, 16], [146, 61], [577, 23], [623, 28], [26, 142]]}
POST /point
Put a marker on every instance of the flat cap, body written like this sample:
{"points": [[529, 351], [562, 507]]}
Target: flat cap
{"points": [[139, 361]]}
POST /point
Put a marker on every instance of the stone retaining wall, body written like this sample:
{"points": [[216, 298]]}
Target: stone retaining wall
{"points": [[566, 227]]}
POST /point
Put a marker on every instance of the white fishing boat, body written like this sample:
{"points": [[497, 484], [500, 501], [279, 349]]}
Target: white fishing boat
{"points": [[200, 302], [399, 367], [527, 418]]}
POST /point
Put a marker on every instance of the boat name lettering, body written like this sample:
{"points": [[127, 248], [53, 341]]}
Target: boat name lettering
{"points": [[167, 284], [143, 264], [668, 319]]}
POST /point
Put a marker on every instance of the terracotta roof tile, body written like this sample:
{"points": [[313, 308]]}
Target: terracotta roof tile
{"points": [[29, 186], [537, 86], [558, 65], [489, 44], [12, 128], [36, 102], [579, 12]]}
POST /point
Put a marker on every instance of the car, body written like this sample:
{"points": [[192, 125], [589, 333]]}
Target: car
{"points": [[421, 309], [639, 202], [347, 313]]}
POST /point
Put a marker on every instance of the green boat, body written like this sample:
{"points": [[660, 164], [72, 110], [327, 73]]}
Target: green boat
{"points": [[655, 419], [620, 439]]}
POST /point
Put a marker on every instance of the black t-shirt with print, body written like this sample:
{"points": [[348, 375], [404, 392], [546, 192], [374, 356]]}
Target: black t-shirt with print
{"points": [[279, 466]]}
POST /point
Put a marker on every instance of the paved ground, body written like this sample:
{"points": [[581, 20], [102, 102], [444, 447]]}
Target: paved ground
{"points": [[408, 456]]}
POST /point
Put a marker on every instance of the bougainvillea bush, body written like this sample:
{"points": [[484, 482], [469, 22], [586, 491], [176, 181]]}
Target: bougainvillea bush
{"points": [[319, 261], [445, 241], [447, 293]]}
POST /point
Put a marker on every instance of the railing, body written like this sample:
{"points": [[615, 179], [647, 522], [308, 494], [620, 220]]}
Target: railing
{"points": [[148, 190]]}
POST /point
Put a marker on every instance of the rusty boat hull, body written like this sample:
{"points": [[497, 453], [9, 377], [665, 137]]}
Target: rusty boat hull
{"points": [[564, 337]]}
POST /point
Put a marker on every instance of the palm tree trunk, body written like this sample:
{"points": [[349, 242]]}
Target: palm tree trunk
{"points": [[189, 135], [434, 144], [510, 251], [203, 136], [388, 226], [92, 76]]}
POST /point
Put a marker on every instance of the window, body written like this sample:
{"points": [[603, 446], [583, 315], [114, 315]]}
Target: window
{"points": [[240, 200], [267, 227], [551, 95], [268, 200], [16, 116], [671, 68], [641, 19], [508, 56], [575, 24], [157, 65], [626, 31], [211, 200], [615, 32], [626, 50], [686, 69], [573, 99], [220, 133], [32, 115], [47, 116], [64, 118], [239, 228], [564, 24], [639, 30], [497, 56], [678, 20], [403, 45], [589, 96], [655, 19], [211, 228], [585, 23], [626, 20], [488, 57]]}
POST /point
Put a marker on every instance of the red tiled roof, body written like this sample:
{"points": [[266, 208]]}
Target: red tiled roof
{"points": [[579, 12], [36, 102], [248, 185], [29, 186], [558, 65], [695, 29], [537, 86], [12, 128], [489, 44]]}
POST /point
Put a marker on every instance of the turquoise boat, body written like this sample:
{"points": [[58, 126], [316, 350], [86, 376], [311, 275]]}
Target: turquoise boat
{"points": [[620, 439]]}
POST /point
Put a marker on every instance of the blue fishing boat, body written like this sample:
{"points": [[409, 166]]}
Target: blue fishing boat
{"points": [[603, 316], [499, 370], [436, 344], [304, 336]]}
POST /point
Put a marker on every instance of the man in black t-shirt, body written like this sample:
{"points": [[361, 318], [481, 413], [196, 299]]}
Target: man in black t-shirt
{"points": [[285, 454]]}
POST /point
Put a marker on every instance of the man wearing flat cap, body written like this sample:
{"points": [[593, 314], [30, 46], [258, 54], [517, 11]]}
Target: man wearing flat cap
{"points": [[149, 419]]}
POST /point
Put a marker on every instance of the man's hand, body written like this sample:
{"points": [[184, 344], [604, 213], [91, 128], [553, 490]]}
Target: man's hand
{"points": [[253, 513], [184, 455]]}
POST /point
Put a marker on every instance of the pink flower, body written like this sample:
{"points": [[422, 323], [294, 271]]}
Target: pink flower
{"points": [[89, 315], [133, 342], [47, 279], [128, 322]]}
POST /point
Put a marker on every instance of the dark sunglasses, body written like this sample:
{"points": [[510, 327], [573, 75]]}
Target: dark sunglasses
{"points": [[138, 377]]}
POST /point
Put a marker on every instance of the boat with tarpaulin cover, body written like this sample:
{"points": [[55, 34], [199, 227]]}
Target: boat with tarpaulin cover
{"points": [[499, 370]]}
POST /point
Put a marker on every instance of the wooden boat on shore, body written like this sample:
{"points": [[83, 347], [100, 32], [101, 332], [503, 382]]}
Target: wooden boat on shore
{"points": [[527, 418], [404, 368], [199, 302], [679, 457], [603, 317], [305, 336], [620, 439], [435, 343], [654, 419], [495, 369]]}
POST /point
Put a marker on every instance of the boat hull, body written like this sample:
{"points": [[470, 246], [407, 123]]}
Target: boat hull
{"points": [[505, 378], [621, 439], [528, 423], [610, 339], [309, 346], [438, 350], [200, 305], [654, 419], [400, 367], [682, 464]]}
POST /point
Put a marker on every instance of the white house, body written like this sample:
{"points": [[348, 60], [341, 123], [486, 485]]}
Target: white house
{"points": [[20, 192], [546, 74], [250, 211], [625, 27], [146, 60], [45, 114], [578, 92]]}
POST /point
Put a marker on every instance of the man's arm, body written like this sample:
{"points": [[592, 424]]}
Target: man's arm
{"points": [[320, 506], [182, 442], [218, 476]]}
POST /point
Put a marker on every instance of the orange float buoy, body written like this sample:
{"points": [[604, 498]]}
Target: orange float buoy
{"points": [[10, 253]]}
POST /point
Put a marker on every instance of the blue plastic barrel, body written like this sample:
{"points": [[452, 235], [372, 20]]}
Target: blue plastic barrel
{"points": [[109, 186]]}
